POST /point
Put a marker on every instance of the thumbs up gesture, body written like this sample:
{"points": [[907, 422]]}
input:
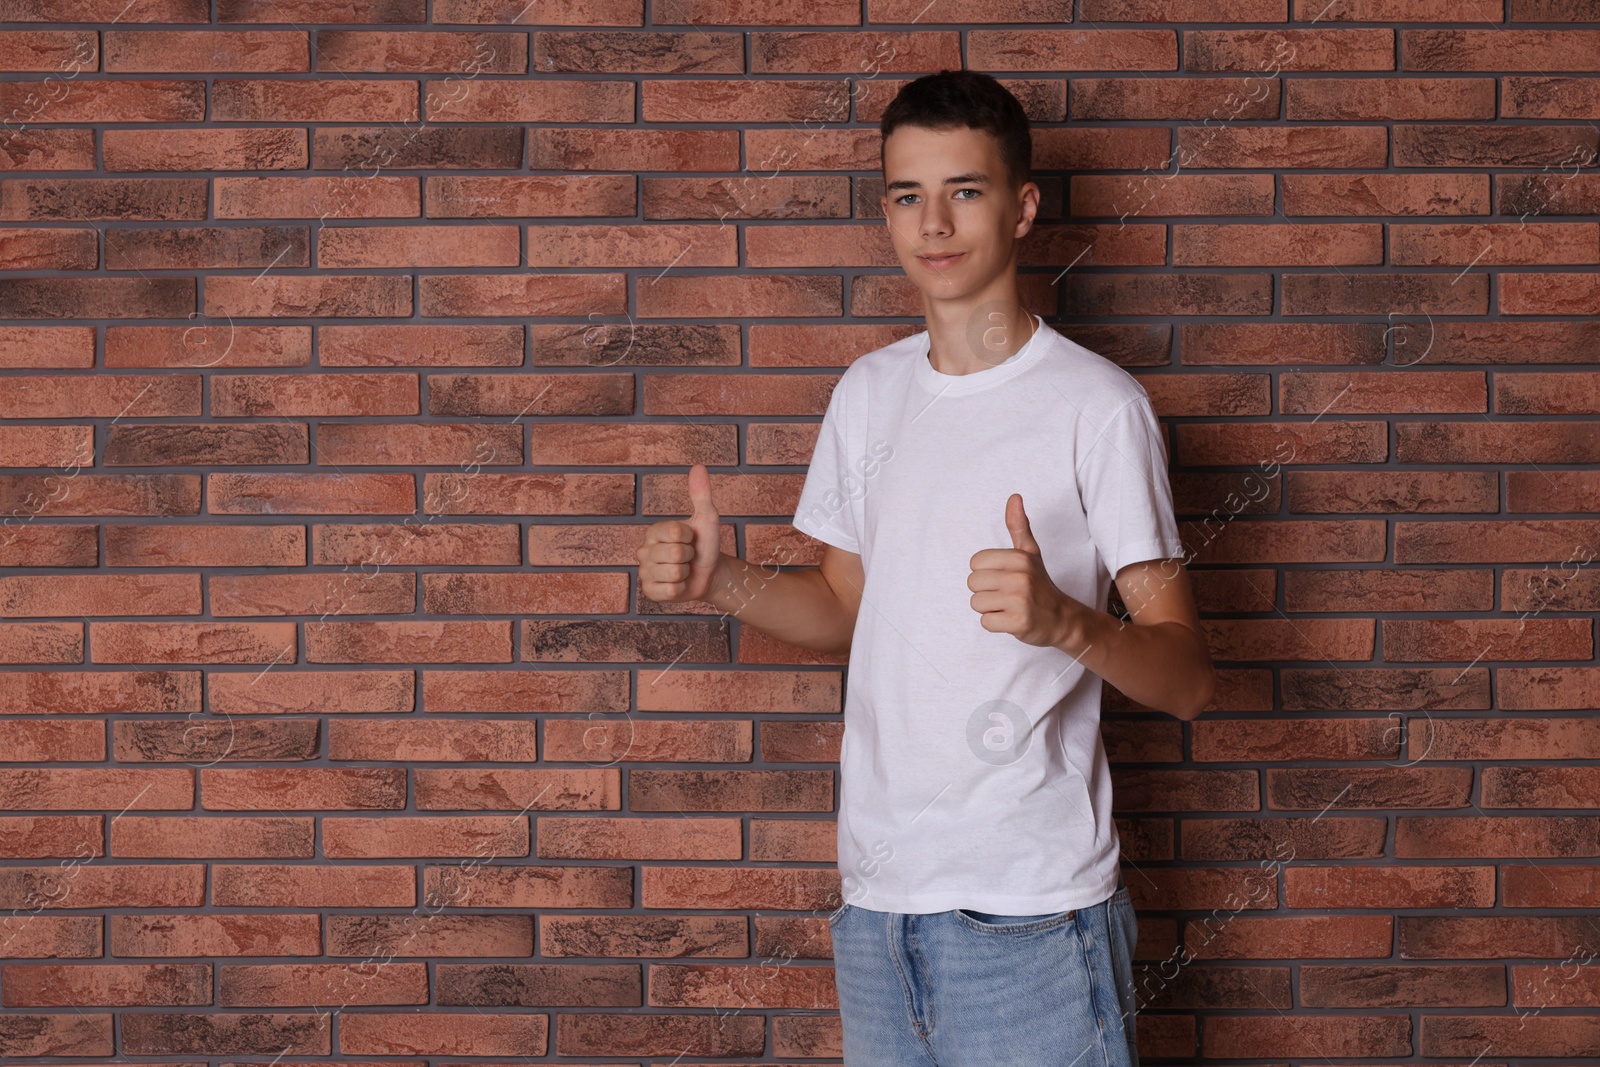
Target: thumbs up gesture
{"points": [[1013, 592], [678, 559]]}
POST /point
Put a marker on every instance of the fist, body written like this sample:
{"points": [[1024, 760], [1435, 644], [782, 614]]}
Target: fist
{"points": [[679, 557], [1012, 591]]}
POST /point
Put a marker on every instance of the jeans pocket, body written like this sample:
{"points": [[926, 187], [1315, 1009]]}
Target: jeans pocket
{"points": [[986, 923]]}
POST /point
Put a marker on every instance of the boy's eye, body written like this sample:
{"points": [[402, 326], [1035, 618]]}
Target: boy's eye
{"points": [[902, 199]]}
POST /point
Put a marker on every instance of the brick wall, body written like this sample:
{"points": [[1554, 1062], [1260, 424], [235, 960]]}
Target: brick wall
{"points": [[348, 349]]}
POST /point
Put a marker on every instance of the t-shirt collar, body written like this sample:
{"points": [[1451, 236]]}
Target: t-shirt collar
{"points": [[958, 384]]}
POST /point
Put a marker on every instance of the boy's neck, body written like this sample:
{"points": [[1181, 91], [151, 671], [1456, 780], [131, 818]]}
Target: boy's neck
{"points": [[980, 337]]}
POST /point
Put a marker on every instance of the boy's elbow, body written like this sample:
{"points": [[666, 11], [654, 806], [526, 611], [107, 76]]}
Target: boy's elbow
{"points": [[1207, 694]]}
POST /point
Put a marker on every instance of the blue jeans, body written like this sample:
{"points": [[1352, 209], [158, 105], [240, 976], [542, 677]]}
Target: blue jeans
{"points": [[969, 989]]}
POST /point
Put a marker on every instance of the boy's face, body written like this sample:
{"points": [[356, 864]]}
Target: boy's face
{"points": [[947, 192]]}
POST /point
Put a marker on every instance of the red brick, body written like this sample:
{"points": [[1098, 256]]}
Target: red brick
{"points": [[552, 13], [1074, 49], [1334, 441], [1182, 11], [1242, 147], [588, 149], [1385, 194], [1494, 244], [1548, 688], [68, 447], [1495, 936], [776, 52], [1307, 541], [1529, 886], [1423, 144], [1169, 294], [731, 295], [1208, 394], [1549, 295], [373, 196], [491, 196], [1264, 51], [1306, 689], [1385, 294], [1445, 11], [754, 12], [1499, 49], [207, 51], [1305, 245], [52, 51], [1468, 837], [1346, 1035], [1475, 541], [1253, 97], [1538, 787], [1399, 589], [784, 196], [1382, 887], [459, 53], [120, 100], [1419, 640], [1301, 639], [1246, 343], [1369, 392], [418, 246], [976, 11], [50, 249], [737, 100], [1151, 195], [96, 298], [458, 444], [120, 788], [1546, 97], [1503, 341], [1274, 937], [650, 1035], [1390, 99], [1483, 441], [1118, 148], [324, 100], [254, 837]]}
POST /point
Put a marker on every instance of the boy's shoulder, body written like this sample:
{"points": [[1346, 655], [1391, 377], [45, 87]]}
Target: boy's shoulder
{"points": [[885, 359], [1090, 373]]}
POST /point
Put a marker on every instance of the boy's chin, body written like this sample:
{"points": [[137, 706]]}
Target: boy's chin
{"points": [[946, 290]]}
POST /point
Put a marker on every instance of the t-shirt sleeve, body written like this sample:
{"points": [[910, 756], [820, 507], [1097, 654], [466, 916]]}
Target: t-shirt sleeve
{"points": [[827, 507], [1127, 498]]}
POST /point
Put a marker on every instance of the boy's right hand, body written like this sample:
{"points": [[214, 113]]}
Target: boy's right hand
{"points": [[679, 557]]}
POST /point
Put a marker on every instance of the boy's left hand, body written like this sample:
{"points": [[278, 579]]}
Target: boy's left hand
{"points": [[1013, 592]]}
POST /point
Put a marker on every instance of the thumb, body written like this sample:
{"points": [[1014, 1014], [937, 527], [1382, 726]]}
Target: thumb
{"points": [[700, 492], [703, 518], [1017, 522]]}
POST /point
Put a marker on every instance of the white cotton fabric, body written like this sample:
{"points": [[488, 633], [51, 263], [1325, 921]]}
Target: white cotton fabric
{"points": [[972, 770]]}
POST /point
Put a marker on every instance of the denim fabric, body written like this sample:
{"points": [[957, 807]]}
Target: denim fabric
{"points": [[967, 988]]}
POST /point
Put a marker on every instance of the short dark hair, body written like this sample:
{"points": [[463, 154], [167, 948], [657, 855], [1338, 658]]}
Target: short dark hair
{"points": [[955, 98]]}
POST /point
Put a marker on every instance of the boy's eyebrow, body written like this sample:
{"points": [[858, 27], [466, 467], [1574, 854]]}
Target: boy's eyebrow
{"points": [[973, 178]]}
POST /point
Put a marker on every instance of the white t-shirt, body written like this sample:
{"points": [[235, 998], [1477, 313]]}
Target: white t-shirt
{"points": [[972, 770]]}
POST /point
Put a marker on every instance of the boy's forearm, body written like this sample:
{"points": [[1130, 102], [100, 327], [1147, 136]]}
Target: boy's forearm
{"points": [[1163, 665], [793, 604]]}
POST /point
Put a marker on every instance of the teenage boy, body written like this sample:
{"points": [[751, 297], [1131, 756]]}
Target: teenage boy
{"points": [[978, 487]]}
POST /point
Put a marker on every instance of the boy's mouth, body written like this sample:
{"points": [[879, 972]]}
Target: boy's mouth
{"points": [[942, 261]]}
